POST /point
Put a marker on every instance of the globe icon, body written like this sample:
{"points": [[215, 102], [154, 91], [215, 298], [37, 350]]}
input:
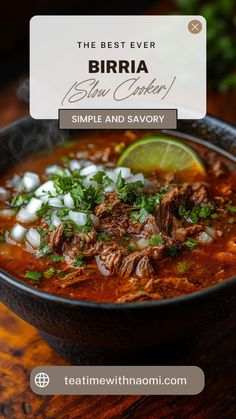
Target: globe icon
{"points": [[41, 380]]}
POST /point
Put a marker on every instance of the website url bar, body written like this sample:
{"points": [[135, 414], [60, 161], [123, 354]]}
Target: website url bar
{"points": [[88, 380]]}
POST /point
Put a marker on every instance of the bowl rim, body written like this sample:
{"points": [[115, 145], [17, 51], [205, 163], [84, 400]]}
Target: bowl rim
{"points": [[21, 286]]}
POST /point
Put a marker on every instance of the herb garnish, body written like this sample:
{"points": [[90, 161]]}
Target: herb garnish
{"points": [[156, 240], [128, 192], [230, 207], [34, 275], [196, 213], [103, 237], [80, 260], [57, 258], [19, 200], [43, 250], [49, 273], [190, 243]]}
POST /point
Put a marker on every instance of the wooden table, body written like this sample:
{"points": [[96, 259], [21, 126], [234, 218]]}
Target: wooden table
{"points": [[22, 348]]}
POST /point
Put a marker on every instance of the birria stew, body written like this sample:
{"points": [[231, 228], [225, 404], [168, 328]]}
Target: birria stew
{"points": [[74, 223]]}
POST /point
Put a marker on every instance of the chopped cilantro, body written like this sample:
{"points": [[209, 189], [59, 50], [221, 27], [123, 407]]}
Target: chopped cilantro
{"points": [[2, 239], [103, 237], [140, 215], [190, 243], [49, 273], [196, 213], [80, 260], [56, 258], [34, 275], [42, 210], [128, 192], [132, 247], [19, 200], [156, 240], [145, 205], [231, 208], [102, 179], [43, 250]]}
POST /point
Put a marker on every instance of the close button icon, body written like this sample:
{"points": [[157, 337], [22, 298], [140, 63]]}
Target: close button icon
{"points": [[195, 26]]}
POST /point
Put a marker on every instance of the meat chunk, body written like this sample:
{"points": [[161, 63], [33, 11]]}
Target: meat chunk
{"points": [[142, 263], [81, 243], [182, 233], [200, 194], [144, 268], [150, 227], [171, 200], [110, 253], [138, 296], [106, 207], [56, 238], [218, 169]]}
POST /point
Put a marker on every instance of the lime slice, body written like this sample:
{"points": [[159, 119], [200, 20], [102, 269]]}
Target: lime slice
{"points": [[162, 154]]}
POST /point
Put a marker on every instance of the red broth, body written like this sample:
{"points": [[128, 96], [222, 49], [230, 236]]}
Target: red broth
{"points": [[172, 236]]}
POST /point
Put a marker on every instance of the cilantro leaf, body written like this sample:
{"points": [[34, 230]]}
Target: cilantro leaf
{"points": [[80, 260], [156, 240], [34, 275], [190, 243]]}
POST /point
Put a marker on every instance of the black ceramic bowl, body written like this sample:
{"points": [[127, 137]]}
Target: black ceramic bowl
{"points": [[102, 333]]}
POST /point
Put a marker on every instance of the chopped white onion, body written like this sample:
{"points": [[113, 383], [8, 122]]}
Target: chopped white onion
{"points": [[205, 238], [30, 181], [25, 216], [33, 237], [95, 220], [79, 218], [136, 178], [89, 170], [14, 181], [110, 188], [74, 165], [44, 198], [68, 201], [101, 266], [211, 231], [55, 202], [112, 175], [4, 194], [55, 220], [34, 205], [7, 213], [28, 214], [52, 169], [124, 171], [142, 243], [18, 232], [45, 188]]}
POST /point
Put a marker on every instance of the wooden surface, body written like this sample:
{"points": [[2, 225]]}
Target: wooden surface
{"points": [[21, 349]]}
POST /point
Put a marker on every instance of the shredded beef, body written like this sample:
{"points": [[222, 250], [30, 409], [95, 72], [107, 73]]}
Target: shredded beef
{"points": [[150, 227], [200, 194], [56, 238], [147, 257], [182, 233], [105, 207], [218, 169], [138, 296], [169, 203]]}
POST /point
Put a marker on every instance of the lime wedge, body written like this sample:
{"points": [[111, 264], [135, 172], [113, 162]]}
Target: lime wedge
{"points": [[161, 154]]}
